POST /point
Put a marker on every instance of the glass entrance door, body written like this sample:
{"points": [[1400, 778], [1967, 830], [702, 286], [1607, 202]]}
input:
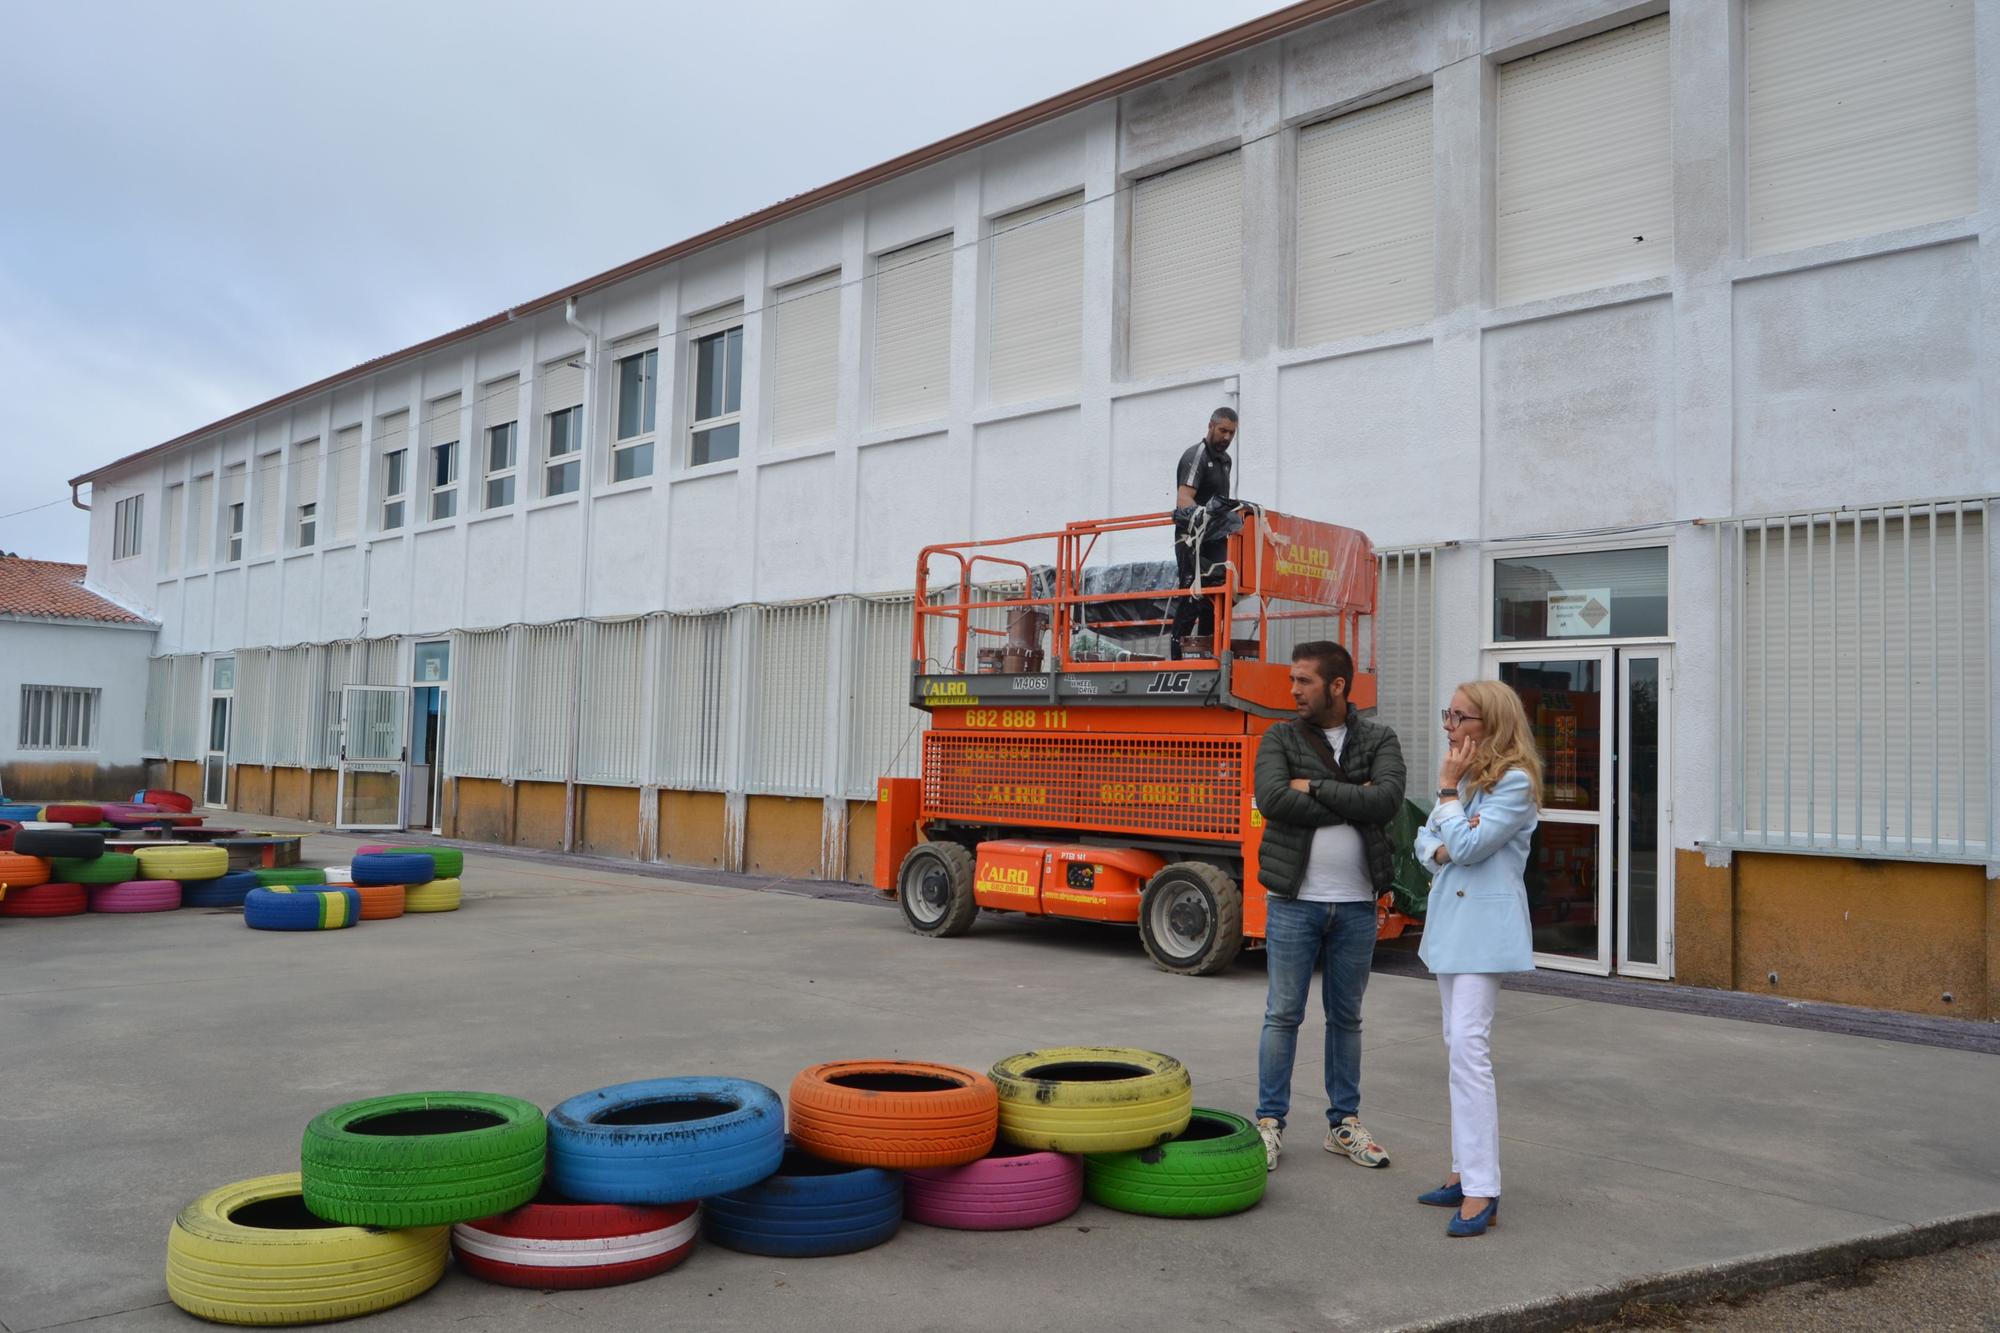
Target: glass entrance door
{"points": [[215, 759], [373, 735]]}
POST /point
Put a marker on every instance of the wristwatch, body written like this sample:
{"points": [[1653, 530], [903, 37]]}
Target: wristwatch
{"points": [[1447, 793]]}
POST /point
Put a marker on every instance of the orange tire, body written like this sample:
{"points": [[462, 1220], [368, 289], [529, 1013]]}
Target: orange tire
{"points": [[894, 1113], [23, 871], [380, 902]]}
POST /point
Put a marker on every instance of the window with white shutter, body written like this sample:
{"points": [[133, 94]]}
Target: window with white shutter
{"points": [[170, 527], [562, 426], [129, 527], [1365, 209], [715, 377], [1859, 116], [442, 456], [502, 408], [346, 481], [912, 374], [232, 527], [1034, 346], [635, 388], [268, 479], [1187, 267], [305, 493], [806, 379], [392, 445], [1584, 165]]}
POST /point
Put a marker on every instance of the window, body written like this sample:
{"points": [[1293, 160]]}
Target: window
{"points": [[1187, 267], [172, 538], [202, 524], [638, 378], [441, 432], [129, 521], [501, 401], [58, 717], [1862, 712], [1365, 202], [562, 438], [1583, 195], [267, 476], [715, 408], [229, 540], [1034, 345], [392, 436], [1860, 117], [1616, 594], [305, 494], [806, 345], [346, 481], [912, 372]]}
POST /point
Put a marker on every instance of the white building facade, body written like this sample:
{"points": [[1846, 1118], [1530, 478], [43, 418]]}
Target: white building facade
{"points": [[1656, 347]]}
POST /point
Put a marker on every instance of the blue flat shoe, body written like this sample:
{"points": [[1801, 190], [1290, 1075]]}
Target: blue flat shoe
{"points": [[1444, 1196], [1489, 1216]]}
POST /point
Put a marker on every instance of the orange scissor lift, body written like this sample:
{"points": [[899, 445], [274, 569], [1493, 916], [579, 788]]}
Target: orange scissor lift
{"points": [[1057, 783]]}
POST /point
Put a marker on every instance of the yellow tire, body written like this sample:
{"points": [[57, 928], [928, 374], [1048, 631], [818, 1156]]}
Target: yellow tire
{"points": [[184, 862], [439, 895], [1085, 1099], [250, 1253]]}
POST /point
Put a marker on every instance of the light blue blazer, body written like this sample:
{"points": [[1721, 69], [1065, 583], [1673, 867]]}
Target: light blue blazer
{"points": [[1478, 915]]}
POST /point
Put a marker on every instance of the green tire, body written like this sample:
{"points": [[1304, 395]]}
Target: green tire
{"points": [[1213, 1168], [423, 1159], [450, 861], [272, 877], [110, 868]]}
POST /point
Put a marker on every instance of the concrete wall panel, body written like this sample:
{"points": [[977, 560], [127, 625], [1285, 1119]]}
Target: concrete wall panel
{"points": [[796, 522], [493, 572], [700, 547], [298, 612], [549, 583], [1358, 444], [437, 579], [911, 493], [1358, 54], [340, 594], [1013, 460], [388, 580]]}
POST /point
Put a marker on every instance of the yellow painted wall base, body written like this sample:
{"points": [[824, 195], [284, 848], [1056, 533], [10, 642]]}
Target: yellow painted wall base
{"points": [[291, 793], [608, 821], [485, 811], [781, 835], [860, 868], [691, 828]]}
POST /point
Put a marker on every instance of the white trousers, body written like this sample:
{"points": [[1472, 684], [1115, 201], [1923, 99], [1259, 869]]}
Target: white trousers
{"points": [[1468, 1000]]}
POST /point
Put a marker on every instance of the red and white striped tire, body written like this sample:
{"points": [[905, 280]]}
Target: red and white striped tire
{"points": [[136, 895], [569, 1246], [1007, 1191]]}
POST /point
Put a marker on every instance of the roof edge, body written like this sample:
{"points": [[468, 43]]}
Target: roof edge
{"points": [[1228, 42]]}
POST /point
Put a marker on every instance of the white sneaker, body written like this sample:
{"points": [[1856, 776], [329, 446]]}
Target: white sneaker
{"points": [[1271, 1132]]}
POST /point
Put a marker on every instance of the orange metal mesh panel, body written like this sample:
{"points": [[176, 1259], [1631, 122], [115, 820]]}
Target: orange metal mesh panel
{"points": [[1177, 786]]}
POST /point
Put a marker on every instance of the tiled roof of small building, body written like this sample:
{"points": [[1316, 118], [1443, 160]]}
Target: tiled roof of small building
{"points": [[55, 591]]}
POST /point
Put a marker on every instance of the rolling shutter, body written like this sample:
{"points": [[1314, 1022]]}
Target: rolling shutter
{"points": [[806, 392], [1365, 207], [270, 472], [912, 377], [562, 385], [305, 478], [1035, 339], [502, 402], [1187, 267], [443, 420], [346, 480]]}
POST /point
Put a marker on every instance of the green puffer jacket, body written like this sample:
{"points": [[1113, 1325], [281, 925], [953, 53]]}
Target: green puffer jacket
{"points": [[1366, 791]]}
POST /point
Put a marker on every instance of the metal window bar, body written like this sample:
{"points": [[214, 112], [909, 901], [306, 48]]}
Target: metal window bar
{"points": [[886, 733], [249, 722], [189, 714], [159, 706], [546, 674], [289, 742], [610, 746], [789, 728], [693, 673], [476, 737]]}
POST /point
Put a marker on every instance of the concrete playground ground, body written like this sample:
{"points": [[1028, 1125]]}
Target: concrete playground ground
{"points": [[148, 1059]]}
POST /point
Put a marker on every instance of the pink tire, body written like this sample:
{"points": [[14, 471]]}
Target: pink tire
{"points": [[1004, 1191], [136, 895]]}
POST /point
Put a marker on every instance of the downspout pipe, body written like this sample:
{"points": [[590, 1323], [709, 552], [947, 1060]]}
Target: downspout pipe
{"points": [[74, 487], [586, 475]]}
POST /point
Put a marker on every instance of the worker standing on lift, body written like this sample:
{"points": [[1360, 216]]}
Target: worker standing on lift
{"points": [[1202, 495]]}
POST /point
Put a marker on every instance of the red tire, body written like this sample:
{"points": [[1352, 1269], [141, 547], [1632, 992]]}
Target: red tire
{"points": [[22, 871], [165, 800], [74, 815], [8, 828], [898, 1114], [379, 902], [43, 900], [1009, 1191], [136, 895], [554, 1244]]}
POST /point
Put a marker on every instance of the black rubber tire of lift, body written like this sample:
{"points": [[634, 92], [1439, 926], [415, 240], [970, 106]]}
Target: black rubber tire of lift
{"points": [[1223, 902], [954, 863]]}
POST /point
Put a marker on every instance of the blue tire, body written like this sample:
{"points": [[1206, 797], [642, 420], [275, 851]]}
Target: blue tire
{"points": [[306, 909], [393, 868], [665, 1140], [223, 891], [810, 1207]]}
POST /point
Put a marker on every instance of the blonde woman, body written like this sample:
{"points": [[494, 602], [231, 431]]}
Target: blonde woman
{"points": [[1475, 844]]}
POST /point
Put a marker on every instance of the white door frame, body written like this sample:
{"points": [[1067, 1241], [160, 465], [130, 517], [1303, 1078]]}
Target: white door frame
{"points": [[209, 754], [1663, 944], [348, 763]]}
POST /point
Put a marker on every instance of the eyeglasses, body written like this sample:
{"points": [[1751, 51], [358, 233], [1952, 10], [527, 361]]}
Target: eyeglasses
{"points": [[1453, 718]]}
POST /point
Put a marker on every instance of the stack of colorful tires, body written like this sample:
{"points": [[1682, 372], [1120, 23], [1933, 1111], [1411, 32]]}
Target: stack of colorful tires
{"points": [[432, 886]]}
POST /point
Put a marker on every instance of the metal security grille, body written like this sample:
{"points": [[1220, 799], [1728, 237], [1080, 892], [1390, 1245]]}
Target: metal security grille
{"points": [[292, 689], [885, 732], [1406, 691], [545, 680], [249, 715], [692, 697], [159, 705], [186, 731], [1173, 786], [351, 662], [58, 717], [788, 752], [477, 735], [1859, 685], [611, 742]]}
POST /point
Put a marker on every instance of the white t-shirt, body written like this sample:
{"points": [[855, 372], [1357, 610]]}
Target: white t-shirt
{"points": [[1337, 866]]}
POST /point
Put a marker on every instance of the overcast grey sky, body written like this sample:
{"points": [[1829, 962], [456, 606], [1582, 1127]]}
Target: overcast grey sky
{"points": [[205, 204]]}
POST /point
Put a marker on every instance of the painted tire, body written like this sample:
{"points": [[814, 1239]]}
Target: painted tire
{"points": [[665, 1140], [421, 1159], [223, 891], [43, 900], [183, 862], [446, 862], [1010, 1190], [81, 844], [440, 895], [1082, 1099], [288, 909], [1212, 1168], [250, 1253], [161, 799], [110, 868], [557, 1245], [73, 812], [808, 1207], [8, 828], [20, 814], [392, 868], [137, 895], [338, 876], [23, 871], [271, 877], [893, 1113], [379, 902]]}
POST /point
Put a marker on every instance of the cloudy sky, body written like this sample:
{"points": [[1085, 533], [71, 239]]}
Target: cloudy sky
{"points": [[204, 204]]}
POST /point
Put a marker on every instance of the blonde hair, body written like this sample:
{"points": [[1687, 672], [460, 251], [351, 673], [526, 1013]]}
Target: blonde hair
{"points": [[1509, 742]]}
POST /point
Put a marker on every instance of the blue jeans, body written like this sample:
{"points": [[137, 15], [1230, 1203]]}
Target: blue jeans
{"points": [[1297, 936]]}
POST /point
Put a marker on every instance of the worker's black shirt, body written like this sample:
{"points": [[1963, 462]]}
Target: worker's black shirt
{"points": [[1205, 469]]}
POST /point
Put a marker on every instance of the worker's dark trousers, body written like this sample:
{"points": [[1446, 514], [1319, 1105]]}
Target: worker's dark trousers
{"points": [[1193, 614]]}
